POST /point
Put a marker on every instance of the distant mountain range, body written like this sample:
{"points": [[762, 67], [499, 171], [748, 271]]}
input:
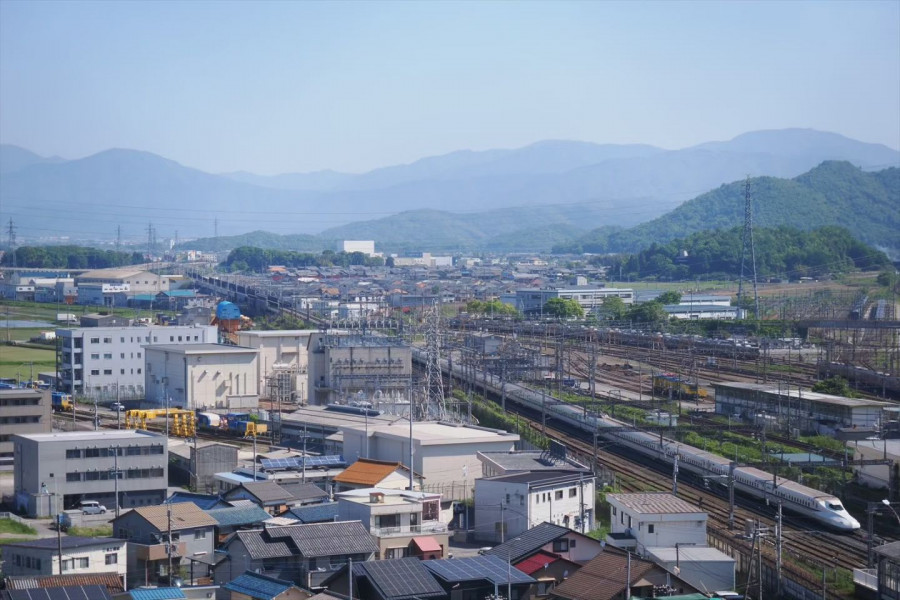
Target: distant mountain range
{"points": [[529, 198]]}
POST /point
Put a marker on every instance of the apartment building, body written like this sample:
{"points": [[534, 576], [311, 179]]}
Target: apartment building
{"points": [[56, 471], [108, 362], [22, 411]]}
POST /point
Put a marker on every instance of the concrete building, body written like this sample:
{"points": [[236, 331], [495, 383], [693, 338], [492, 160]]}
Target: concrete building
{"points": [[283, 365], [108, 362], [653, 520], [445, 455], [877, 476], [519, 461], [701, 566], [55, 471], [367, 247], [22, 411], [128, 280], [795, 408], [532, 300], [509, 505], [342, 367], [80, 556], [395, 517], [202, 376], [196, 465], [147, 530]]}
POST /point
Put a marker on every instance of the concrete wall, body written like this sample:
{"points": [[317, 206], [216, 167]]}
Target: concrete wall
{"points": [[199, 380], [288, 348], [22, 411]]}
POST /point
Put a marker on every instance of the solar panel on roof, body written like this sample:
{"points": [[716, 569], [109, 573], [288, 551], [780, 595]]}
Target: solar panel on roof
{"points": [[70, 592], [402, 577], [491, 568], [295, 462]]}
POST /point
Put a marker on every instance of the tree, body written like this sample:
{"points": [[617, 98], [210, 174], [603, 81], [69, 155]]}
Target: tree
{"points": [[670, 297], [614, 308], [836, 386], [562, 308], [648, 312]]}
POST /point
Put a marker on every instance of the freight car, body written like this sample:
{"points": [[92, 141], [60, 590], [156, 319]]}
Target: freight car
{"points": [[669, 384]]}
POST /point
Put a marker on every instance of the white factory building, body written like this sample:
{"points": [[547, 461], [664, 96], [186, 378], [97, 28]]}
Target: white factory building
{"points": [[207, 376], [108, 362], [589, 297], [283, 364], [367, 247], [446, 455]]}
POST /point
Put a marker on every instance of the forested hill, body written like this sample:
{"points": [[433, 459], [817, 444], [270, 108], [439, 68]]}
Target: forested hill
{"points": [[782, 252], [867, 204]]}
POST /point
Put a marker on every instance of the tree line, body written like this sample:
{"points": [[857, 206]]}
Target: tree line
{"points": [[250, 258], [69, 257]]}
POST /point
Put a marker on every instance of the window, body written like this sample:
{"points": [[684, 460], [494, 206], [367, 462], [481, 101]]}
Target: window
{"points": [[139, 371], [73, 453], [112, 559], [95, 356], [651, 528], [68, 564], [121, 371], [614, 510], [72, 477], [507, 498], [196, 338], [107, 340], [123, 341], [95, 371], [107, 356], [83, 562], [179, 338], [171, 338], [107, 371], [122, 355], [200, 534], [573, 492], [139, 354], [561, 545], [95, 340], [558, 495]]}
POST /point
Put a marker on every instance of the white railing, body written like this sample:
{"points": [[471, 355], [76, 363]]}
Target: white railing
{"points": [[866, 578], [408, 529]]}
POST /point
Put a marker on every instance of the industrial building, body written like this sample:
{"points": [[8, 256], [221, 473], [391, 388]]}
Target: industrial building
{"points": [[703, 311], [196, 464], [56, 471], [202, 376], [367, 247], [108, 362], [349, 367], [446, 455], [796, 408], [22, 411], [114, 287], [533, 300], [283, 365]]}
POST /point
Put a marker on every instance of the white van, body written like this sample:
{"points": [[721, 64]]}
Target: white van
{"points": [[91, 507]]}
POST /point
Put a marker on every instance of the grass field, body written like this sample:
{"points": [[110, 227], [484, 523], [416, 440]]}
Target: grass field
{"points": [[10, 526], [17, 362]]}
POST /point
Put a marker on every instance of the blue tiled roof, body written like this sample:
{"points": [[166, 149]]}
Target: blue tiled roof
{"points": [[167, 593], [239, 515], [260, 587], [203, 501], [314, 513]]}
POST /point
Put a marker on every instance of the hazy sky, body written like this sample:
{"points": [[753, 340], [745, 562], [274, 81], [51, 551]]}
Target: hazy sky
{"points": [[282, 86]]}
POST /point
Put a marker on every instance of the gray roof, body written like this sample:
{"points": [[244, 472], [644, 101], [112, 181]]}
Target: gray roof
{"points": [[265, 491], [400, 579], [313, 513], [327, 539], [238, 515], [304, 491], [259, 546], [531, 460], [529, 542]]}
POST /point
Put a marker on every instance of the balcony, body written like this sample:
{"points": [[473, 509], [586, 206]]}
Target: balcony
{"points": [[430, 527], [147, 552]]}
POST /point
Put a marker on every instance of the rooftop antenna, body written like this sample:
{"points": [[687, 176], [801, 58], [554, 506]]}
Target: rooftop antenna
{"points": [[748, 252]]}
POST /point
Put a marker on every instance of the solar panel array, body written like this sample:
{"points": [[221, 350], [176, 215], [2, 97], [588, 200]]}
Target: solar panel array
{"points": [[297, 462], [402, 577], [69, 592], [491, 568]]}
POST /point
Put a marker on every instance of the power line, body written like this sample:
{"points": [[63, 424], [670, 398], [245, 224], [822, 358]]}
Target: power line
{"points": [[748, 249]]}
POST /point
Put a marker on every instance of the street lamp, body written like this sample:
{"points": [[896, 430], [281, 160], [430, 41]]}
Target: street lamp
{"points": [[887, 503]]}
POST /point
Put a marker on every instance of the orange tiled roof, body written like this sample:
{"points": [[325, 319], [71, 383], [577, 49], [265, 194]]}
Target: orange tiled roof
{"points": [[368, 472]]}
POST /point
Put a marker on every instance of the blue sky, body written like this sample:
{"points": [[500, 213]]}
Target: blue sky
{"points": [[286, 87]]}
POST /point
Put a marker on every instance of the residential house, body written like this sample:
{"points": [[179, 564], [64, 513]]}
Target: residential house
{"points": [[395, 518], [604, 578], [80, 555], [150, 548], [254, 586], [654, 519], [509, 505], [479, 577], [304, 554], [393, 579], [233, 518], [370, 473], [271, 496]]}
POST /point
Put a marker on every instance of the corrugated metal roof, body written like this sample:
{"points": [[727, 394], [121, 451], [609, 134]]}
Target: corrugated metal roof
{"points": [[167, 593], [314, 513], [654, 503], [238, 515], [260, 587], [368, 472]]}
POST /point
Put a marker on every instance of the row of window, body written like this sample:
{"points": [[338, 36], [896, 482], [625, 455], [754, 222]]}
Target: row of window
{"points": [[107, 474], [19, 401], [68, 564], [110, 371], [14, 420], [106, 452], [108, 355], [557, 495], [181, 338]]}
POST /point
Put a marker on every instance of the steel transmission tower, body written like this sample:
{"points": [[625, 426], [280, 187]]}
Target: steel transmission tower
{"points": [[748, 252], [434, 381], [11, 231]]}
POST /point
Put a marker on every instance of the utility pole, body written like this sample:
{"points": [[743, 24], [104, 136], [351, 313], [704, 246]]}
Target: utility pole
{"points": [[731, 468], [11, 231], [778, 549], [118, 241], [748, 252]]}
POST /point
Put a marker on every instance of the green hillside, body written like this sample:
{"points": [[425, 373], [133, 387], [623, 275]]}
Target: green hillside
{"points": [[834, 193]]}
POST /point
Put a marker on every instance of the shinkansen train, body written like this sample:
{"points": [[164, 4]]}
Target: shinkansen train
{"points": [[800, 499]]}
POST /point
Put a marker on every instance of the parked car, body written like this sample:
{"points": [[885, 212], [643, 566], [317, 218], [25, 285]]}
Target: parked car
{"points": [[117, 406], [91, 507]]}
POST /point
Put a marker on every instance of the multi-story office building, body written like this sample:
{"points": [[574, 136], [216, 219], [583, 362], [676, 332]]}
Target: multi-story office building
{"points": [[533, 300], [56, 471], [108, 362], [22, 411]]}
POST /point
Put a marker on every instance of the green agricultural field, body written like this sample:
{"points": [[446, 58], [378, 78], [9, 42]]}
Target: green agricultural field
{"points": [[16, 361]]}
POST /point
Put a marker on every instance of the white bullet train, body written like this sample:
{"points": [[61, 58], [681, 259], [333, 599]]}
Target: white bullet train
{"points": [[800, 499]]}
